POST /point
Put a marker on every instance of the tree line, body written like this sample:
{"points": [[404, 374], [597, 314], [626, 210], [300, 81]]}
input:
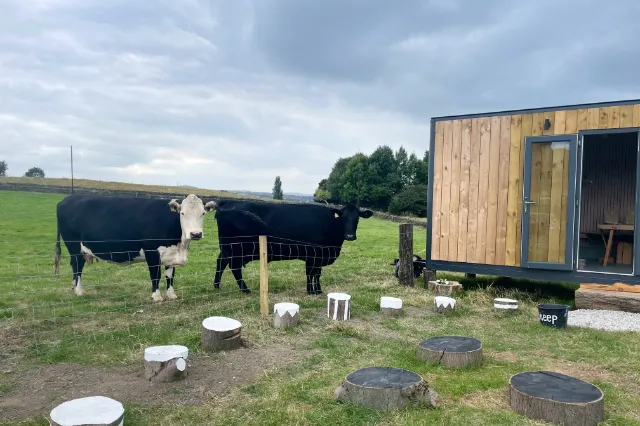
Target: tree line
{"points": [[32, 172], [385, 180]]}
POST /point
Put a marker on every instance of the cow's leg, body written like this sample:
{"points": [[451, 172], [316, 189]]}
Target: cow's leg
{"points": [[221, 264], [236, 269], [309, 271], [77, 262], [169, 273], [153, 262], [317, 289]]}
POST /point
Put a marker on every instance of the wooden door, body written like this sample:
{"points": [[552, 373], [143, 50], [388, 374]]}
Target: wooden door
{"points": [[548, 204]]}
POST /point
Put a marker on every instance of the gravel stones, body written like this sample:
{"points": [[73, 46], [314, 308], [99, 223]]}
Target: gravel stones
{"points": [[604, 320]]}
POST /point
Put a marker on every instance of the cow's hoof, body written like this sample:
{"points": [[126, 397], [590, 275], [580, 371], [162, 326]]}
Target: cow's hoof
{"points": [[156, 296], [79, 291], [171, 294], [245, 290]]}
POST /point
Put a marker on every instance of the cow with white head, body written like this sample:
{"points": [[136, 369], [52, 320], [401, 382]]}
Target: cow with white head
{"points": [[125, 230]]}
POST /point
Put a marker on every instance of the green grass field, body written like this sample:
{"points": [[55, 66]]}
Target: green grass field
{"points": [[55, 346]]}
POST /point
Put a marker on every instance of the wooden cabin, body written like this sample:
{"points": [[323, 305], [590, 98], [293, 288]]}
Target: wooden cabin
{"points": [[547, 193]]}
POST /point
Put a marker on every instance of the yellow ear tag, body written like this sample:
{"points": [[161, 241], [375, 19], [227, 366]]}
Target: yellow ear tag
{"points": [[336, 215]]}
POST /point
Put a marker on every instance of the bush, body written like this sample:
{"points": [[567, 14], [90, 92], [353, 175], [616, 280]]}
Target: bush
{"points": [[412, 201]]}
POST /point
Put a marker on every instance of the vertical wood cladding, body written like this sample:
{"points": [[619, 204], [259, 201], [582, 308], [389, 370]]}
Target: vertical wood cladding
{"points": [[478, 177]]}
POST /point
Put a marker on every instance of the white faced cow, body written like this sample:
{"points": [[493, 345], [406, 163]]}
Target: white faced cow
{"points": [[129, 230]]}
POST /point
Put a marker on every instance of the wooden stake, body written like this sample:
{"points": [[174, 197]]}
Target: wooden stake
{"points": [[405, 270], [221, 334], [92, 410], [264, 277], [285, 314]]}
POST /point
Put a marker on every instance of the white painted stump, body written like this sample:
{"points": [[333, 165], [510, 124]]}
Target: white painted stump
{"points": [[339, 306], [390, 305], [221, 334], [285, 314], [165, 363], [89, 411], [444, 304], [501, 304]]}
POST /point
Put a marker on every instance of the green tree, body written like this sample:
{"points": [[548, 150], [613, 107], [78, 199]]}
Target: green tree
{"points": [[35, 172], [321, 195], [335, 181], [3, 168], [356, 180], [277, 189], [412, 201]]}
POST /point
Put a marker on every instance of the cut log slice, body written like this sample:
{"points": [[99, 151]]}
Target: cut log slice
{"points": [[448, 289], [386, 388], [338, 306], [221, 334], [442, 304], [285, 314], [501, 304], [390, 305], [451, 351], [92, 410], [556, 398], [165, 363]]}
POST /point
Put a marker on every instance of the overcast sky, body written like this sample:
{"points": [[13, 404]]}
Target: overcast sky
{"points": [[228, 94]]}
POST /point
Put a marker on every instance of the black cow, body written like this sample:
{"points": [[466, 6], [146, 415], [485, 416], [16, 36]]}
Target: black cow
{"points": [[129, 230], [306, 232], [418, 265]]}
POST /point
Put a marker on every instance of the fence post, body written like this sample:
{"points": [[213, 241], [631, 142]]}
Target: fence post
{"points": [[264, 277], [405, 269]]}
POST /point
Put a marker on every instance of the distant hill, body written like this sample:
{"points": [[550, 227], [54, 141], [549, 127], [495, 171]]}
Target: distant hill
{"points": [[294, 196]]}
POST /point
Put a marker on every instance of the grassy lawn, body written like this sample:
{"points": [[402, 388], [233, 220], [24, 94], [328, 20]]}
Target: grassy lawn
{"points": [[55, 346], [119, 186]]}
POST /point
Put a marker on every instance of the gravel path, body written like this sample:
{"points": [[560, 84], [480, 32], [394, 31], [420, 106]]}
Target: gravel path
{"points": [[604, 320]]}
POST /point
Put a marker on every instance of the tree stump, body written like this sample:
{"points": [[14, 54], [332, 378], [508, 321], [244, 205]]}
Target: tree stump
{"points": [[451, 351], [445, 289], [501, 304], [165, 363], [89, 411], [386, 388], [338, 306], [556, 398], [285, 314], [221, 334], [390, 305], [428, 275], [443, 304]]}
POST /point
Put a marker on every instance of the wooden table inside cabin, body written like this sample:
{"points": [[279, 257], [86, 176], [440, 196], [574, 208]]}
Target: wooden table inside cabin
{"points": [[611, 229]]}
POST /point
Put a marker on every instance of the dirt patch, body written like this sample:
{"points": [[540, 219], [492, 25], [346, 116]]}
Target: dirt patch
{"points": [[505, 356], [36, 392]]}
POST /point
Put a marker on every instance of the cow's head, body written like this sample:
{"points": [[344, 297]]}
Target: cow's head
{"points": [[349, 216], [192, 212]]}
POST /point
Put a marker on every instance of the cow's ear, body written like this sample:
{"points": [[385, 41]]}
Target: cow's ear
{"points": [[210, 206], [336, 213], [366, 213], [174, 205]]}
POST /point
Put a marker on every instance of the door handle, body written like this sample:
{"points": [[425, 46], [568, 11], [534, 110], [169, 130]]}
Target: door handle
{"points": [[527, 203]]}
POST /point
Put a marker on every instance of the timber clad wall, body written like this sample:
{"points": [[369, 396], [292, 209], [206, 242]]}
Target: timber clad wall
{"points": [[477, 182]]}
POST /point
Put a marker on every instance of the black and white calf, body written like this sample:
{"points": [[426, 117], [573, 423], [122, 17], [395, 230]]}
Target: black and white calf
{"points": [[129, 230]]}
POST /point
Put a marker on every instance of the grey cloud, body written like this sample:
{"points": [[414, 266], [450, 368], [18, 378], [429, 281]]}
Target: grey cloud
{"points": [[228, 94]]}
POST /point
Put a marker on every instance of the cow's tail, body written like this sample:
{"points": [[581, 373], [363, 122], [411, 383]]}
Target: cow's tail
{"points": [[56, 257]]}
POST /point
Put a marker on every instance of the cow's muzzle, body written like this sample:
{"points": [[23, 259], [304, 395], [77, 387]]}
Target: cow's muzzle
{"points": [[196, 235]]}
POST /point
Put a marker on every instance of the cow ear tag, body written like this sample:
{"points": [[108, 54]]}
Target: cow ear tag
{"points": [[336, 215]]}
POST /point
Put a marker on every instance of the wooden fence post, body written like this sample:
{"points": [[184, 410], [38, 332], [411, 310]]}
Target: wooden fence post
{"points": [[264, 277], [405, 270]]}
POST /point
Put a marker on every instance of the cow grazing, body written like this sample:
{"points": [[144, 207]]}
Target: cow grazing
{"points": [[307, 232], [124, 231]]}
